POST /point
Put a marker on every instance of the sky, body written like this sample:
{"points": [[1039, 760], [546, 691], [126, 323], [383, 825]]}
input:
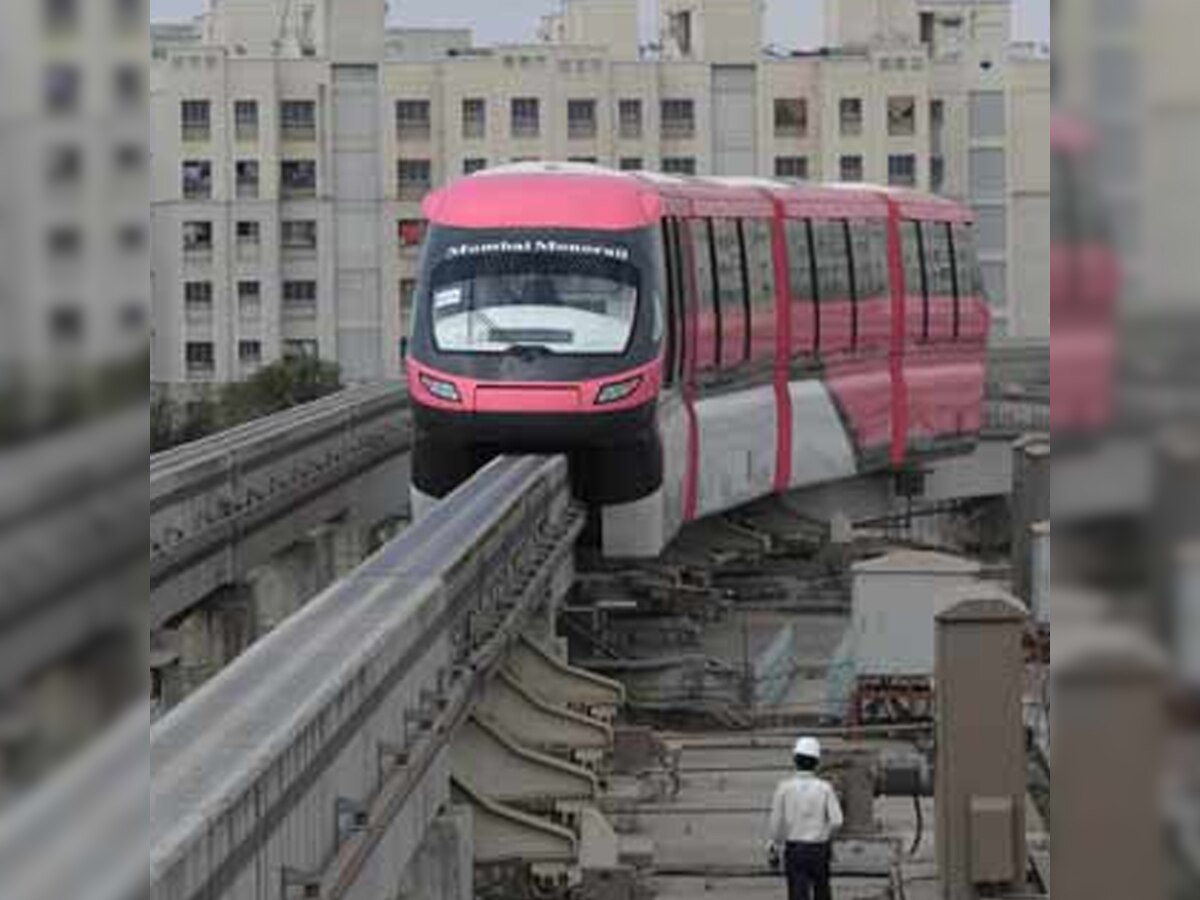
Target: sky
{"points": [[790, 23]]}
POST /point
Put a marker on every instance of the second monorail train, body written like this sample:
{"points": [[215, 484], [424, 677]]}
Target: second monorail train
{"points": [[691, 343]]}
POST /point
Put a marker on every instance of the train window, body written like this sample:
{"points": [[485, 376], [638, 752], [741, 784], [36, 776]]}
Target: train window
{"points": [[707, 312], [731, 289], [833, 261], [912, 248], [760, 261], [966, 258], [799, 260], [671, 269], [939, 262], [869, 241]]}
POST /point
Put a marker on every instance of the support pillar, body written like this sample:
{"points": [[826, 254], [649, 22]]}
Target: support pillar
{"points": [[981, 765], [1030, 505], [444, 867], [1107, 690], [212, 636]]}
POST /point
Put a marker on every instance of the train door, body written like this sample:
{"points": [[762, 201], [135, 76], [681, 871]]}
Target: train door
{"points": [[731, 293], [834, 296], [802, 277], [707, 347]]}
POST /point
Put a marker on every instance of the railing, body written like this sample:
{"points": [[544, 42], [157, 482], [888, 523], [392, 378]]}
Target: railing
{"points": [[207, 495]]}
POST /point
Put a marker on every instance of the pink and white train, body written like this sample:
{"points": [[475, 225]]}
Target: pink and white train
{"points": [[690, 343]]}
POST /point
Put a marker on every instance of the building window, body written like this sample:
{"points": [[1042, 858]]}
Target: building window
{"points": [[679, 165], [250, 353], [414, 178], [474, 164], [988, 174], [298, 120], [130, 14], [196, 120], [987, 115], [851, 116], [197, 237], [937, 173], [131, 237], [629, 115], [678, 119], [65, 242], [791, 117], [902, 116], [247, 179], [791, 167], [64, 165], [248, 235], [474, 118], [249, 301], [852, 170], [410, 232], [526, 117], [581, 120], [60, 16], [129, 86], [902, 170], [198, 301], [245, 120], [679, 27], [129, 159], [413, 120], [200, 357], [197, 180], [300, 299], [937, 124], [583, 160], [63, 86], [631, 164], [298, 179], [299, 235]]}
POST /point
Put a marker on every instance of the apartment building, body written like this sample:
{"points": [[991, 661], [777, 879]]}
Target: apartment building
{"points": [[74, 188], [294, 142]]}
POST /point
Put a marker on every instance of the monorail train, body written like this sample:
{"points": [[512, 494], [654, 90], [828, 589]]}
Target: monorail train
{"points": [[1085, 282], [691, 343]]}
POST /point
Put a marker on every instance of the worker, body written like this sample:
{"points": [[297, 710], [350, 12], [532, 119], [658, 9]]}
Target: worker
{"points": [[804, 816]]}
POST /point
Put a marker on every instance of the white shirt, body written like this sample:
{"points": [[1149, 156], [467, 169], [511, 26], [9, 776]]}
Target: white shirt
{"points": [[806, 810]]}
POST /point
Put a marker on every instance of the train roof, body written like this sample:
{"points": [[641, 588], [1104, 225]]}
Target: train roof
{"points": [[576, 195]]}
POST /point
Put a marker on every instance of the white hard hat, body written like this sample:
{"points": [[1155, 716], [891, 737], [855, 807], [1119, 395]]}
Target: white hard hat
{"points": [[808, 746]]}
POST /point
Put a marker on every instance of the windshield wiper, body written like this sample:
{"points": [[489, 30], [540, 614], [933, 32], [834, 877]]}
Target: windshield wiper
{"points": [[527, 352]]}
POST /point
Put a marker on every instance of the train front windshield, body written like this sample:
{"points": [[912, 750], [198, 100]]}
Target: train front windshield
{"points": [[549, 302]]}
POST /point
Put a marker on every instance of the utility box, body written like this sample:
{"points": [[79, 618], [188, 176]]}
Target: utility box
{"points": [[993, 841], [896, 599]]}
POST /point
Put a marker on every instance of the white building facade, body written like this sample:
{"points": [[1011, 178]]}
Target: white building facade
{"points": [[294, 141]]}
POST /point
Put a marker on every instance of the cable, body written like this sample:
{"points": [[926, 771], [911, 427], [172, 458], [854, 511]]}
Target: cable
{"points": [[920, 826]]}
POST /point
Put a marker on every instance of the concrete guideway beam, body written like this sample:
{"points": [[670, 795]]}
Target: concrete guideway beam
{"points": [[320, 759], [553, 729], [483, 754], [563, 684]]}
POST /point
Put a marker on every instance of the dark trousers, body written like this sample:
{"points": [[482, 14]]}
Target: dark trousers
{"points": [[807, 868]]}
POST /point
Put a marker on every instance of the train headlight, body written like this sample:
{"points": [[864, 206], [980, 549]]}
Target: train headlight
{"points": [[443, 390], [618, 390]]}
